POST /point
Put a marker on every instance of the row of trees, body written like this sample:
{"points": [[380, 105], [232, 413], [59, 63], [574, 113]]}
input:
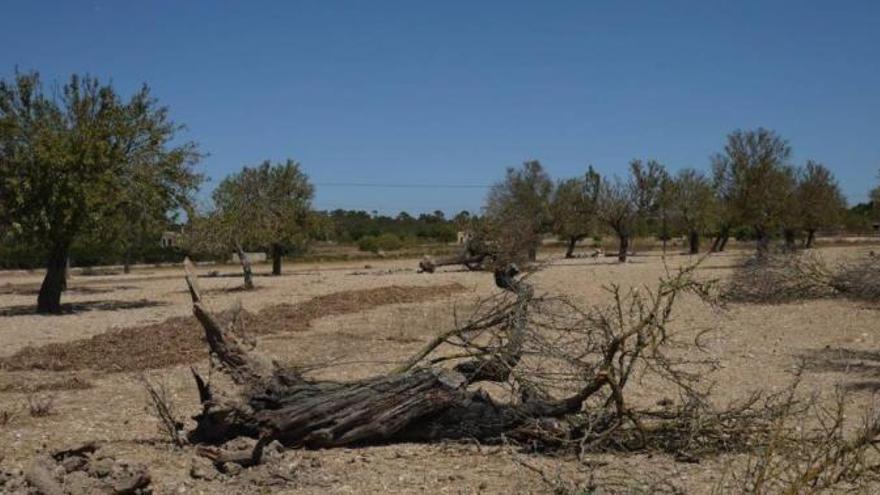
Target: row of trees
{"points": [[82, 166], [752, 185]]}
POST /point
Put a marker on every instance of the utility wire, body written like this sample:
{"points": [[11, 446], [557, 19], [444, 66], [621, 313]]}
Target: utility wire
{"points": [[402, 186]]}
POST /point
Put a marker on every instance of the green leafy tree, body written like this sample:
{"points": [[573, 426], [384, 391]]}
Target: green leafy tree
{"points": [[75, 161], [573, 208], [649, 184], [518, 210], [694, 205], [266, 207], [819, 200], [618, 211], [756, 180]]}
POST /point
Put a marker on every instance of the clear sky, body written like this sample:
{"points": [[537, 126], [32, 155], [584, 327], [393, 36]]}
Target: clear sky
{"points": [[452, 92]]}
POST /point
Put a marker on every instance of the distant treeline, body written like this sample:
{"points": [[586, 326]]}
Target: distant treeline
{"points": [[368, 231]]}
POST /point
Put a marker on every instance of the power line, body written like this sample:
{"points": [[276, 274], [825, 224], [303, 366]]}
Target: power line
{"points": [[402, 186]]}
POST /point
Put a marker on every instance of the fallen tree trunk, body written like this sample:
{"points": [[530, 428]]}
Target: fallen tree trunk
{"points": [[473, 261], [413, 403]]}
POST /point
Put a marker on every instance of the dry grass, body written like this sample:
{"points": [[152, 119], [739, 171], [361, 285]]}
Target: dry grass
{"points": [[780, 278], [755, 347]]}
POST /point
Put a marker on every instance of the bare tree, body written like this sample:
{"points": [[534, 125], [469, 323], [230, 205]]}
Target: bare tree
{"points": [[573, 208]]}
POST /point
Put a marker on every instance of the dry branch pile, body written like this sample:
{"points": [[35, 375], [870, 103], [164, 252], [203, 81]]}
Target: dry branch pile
{"points": [[790, 277], [859, 279], [780, 278]]}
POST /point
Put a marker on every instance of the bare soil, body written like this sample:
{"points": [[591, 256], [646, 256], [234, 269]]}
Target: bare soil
{"points": [[345, 321]]}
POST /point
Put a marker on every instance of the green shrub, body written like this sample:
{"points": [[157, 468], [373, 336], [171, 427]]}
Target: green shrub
{"points": [[383, 242]]}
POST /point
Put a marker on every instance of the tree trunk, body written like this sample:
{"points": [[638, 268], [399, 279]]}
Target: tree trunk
{"points": [[789, 240], [762, 244], [811, 236], [533, 252], [724, 239], [245, 267], [49, 297], [694, 241], [66, 274], [277, 254], [126, 262], [471, 261], [623, 247], [721, 240], [569, 251]]}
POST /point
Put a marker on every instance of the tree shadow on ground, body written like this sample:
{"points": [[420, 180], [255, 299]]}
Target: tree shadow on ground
{"points": [[861, 367], [79, 307], [34, 289]]}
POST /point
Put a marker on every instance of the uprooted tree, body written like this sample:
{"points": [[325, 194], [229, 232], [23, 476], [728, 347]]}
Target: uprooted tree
{"points": [[565, 373]]}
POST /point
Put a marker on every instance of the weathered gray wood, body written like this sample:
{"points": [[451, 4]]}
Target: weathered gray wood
{"points": [[245, 267], [414, 404]]}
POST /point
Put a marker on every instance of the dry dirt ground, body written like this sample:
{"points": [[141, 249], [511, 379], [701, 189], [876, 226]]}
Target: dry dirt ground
{"points": [[350, 320]]}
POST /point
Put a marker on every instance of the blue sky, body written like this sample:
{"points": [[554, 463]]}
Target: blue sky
{"points": [[417, 92]]}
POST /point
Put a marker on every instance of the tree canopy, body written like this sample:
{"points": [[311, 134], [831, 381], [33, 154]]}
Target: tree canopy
{"points": [[573, 208], [518, 208], [85, 159], [267, 207], [754, 176]]}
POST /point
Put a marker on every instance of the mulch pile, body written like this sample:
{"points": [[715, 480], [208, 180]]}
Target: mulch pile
{"points": [[180, 340]]}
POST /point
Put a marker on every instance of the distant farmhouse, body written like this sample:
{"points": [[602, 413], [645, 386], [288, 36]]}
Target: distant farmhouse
{"points": [[169, 239]]}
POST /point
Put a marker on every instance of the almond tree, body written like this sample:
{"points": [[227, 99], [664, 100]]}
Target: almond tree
{"points": [[819, 199], [267, 207], [518, 209], [573, 208], [754, 175], [633, 206], [694, 205], [71, 161], [617, 210]]}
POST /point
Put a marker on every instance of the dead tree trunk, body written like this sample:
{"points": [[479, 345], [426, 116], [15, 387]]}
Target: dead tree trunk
{"points": [[473, 259], [245, 267], [412, 403]]}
